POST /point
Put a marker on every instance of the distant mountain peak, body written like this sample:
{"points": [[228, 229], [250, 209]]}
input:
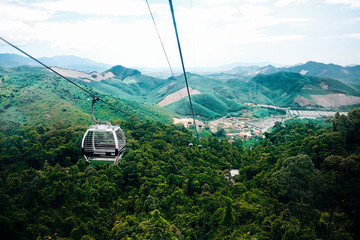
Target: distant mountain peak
{"points": [[269, 69], [76, 63], [123, 72], [63, 61], [313, 62]]}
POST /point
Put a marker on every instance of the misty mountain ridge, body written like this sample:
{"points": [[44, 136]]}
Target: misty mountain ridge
{"points": [[65, 61], [311, 68], [235, 70]]}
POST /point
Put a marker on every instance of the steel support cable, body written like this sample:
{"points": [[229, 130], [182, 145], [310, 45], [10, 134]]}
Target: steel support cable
{"points": [[163, 48], [67, 79], [193, 48], [183, 65]]}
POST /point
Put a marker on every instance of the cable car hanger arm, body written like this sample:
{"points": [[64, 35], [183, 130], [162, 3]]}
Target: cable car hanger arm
{"points": [[92, 112]]}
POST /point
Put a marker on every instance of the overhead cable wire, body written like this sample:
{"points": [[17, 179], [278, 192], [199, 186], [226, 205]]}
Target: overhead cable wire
{"points": [[67, 79], [163, 48], [182, 64]]}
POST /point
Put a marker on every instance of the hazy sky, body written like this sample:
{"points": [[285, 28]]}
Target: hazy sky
{"points": [[212, 32]]}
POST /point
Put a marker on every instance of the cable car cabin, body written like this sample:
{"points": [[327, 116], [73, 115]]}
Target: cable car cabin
{"points": [[103, 143]]}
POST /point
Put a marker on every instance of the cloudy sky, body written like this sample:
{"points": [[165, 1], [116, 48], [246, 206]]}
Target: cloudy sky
{"points": [[212, 32]]}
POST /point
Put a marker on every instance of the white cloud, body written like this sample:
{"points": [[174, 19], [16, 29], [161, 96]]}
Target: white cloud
{"points": [[353, 35], [90, 34], [12, 11], [218, 2], [239, 33], [230, 2], [260, 17], [353, 4], [254, 11], [215, 31], [351, 21], [96, 7], [340, 36], [214, 15], [16, 31], [282, 3]]}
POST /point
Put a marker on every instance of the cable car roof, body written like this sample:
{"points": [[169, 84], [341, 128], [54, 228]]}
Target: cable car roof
{"points": [[103, 127]]}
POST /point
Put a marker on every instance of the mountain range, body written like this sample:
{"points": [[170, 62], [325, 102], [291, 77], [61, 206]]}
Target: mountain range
{"points": [[311, 68], [307, 86], [70, 62]]}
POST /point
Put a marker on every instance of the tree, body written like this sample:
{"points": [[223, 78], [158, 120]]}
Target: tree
{"points": [[340, 187], [294, 183], [228, 218], [157, 227], [220, 134]]}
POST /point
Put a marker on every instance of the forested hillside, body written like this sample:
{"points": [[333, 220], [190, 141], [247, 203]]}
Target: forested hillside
{"points": [[227, 97], [32, 96], [27, 92], [300, 182]]}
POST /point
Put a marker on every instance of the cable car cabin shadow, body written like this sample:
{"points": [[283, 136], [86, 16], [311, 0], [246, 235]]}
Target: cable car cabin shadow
{"points": [[103, 143]]}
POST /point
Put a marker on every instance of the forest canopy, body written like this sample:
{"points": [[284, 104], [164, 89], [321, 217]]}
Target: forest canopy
{"points": [[300, 182]]}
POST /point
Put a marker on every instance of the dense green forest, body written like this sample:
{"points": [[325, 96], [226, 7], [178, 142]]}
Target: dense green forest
{"points": [[32, 96], [302, 181]]}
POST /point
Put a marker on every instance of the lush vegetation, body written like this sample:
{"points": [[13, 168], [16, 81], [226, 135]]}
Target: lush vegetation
{"points": [[206, 106], [33, 96], [267, 112], [300, 182], [29, 94]]}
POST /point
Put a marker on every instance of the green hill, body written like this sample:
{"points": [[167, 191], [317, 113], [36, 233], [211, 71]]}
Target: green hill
{"points": [[297, 83], [311, 68], [36, 97], [206, 106], [130, 84], [122, 72], [221, 98], [137, 91], [282, 88], [287, 86]]}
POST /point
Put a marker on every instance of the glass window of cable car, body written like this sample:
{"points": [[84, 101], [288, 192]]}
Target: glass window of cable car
{"points": [[103, 143]]}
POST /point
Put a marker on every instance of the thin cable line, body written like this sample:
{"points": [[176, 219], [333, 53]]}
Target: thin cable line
{"points": [[182, 64], [67, 79], [163, 48]]}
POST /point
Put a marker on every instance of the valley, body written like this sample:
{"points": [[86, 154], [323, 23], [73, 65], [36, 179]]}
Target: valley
{"points": [[245, 101]]}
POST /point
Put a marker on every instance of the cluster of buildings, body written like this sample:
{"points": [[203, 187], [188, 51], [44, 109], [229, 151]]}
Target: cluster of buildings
{"points": [[235, 127], [247, 128]]}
